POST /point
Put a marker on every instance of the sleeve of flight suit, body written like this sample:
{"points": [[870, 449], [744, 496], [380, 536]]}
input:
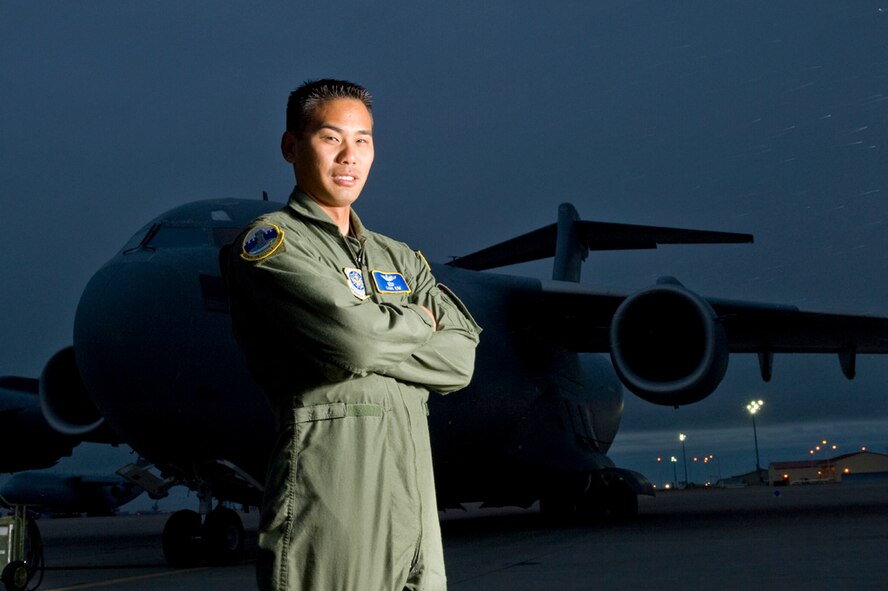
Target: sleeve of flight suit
{"points": [[309, 302], [446, 362]]}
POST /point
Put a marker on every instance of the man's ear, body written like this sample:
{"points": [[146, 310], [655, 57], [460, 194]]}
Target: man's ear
{"points": [[288, 146]]}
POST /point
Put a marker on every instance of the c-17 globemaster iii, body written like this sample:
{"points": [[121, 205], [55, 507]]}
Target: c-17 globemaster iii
{"points": [[69, 493], [154, 365]]}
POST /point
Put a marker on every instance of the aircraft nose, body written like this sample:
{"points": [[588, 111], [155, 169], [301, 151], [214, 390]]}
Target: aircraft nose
{"points": [[131, 330]]}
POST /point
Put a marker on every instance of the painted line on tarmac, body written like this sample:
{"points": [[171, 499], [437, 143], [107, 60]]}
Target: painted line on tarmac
{"points": [[124, 580]]}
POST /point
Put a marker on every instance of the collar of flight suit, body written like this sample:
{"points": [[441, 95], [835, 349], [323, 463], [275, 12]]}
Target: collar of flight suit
{"points": [[306, 207]]}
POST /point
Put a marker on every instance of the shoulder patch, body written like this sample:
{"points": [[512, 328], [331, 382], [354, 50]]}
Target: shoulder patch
{"points": [[390, 282], [261, 242], [355, 280]]}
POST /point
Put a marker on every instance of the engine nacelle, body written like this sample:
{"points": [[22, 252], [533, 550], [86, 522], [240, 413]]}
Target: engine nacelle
{"points": [[27, 441], [668, 346], [65, 402]]}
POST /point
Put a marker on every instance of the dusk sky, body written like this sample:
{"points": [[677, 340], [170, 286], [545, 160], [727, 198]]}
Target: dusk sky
{"points": [[763, 117]]}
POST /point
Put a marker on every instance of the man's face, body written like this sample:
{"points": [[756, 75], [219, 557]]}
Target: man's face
{"points": [[333, 157]]}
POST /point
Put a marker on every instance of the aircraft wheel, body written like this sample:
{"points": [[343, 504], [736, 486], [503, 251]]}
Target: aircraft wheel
{"points": [[593, 506], [181, 539], [223, 534], [562, 496], [622, 501], [15, 576], [556, 508]]}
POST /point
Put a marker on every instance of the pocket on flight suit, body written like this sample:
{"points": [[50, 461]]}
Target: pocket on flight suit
{"points": [[338, 447], [308, 425], [336, 410], [314, 506], [314, 424], [342, 507]]}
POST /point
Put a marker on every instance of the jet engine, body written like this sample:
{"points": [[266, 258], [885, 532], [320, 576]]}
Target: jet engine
{"points": [[65, 402], [27, 441], [667, 345]]}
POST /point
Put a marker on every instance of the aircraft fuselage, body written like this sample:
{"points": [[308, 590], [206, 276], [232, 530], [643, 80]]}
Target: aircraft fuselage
{"points": [[153, 343]]}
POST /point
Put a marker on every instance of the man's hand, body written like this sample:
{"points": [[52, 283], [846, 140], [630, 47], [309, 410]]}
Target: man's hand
{"points": [[432, 316]]}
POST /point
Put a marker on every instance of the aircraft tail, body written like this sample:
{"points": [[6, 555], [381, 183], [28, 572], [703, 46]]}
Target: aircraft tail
{"points": [[570, 239]]}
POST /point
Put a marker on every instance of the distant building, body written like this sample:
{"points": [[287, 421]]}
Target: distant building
{"points": [[754, 478], [827, 470]]}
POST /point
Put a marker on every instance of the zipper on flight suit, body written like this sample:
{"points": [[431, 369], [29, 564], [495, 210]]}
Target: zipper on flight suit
{"points": [[357, 257]]}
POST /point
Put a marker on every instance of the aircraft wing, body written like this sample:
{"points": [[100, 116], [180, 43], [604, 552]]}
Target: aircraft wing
{"points": [[581, 318], [752, 328], [670, 345]]}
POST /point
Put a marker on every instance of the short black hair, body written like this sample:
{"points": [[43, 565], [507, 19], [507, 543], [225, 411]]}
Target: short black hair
{"points": [[312, 93]]}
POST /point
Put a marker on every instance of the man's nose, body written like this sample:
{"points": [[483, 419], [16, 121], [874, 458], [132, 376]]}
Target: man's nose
{"points": [[348, 154]]}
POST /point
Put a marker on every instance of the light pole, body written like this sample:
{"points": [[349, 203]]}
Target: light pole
{"points": [[684, 455], [708, 460], [674, 460], [753, 407]]}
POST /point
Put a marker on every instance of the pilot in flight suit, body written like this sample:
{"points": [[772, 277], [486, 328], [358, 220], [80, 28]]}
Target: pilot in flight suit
{"points": [[334, 330]]}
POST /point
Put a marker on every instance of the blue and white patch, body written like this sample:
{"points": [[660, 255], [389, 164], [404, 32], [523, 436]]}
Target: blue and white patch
{"points": [[390, 282], [261, 242], [355, 280]]}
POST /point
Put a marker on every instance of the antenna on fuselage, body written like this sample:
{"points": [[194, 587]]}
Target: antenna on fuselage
{"points": [[264, 195]]}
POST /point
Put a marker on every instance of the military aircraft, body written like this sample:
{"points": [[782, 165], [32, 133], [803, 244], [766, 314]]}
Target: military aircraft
{"points": [[68, 493], [154, 365]]}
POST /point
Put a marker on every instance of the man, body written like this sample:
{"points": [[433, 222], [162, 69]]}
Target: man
{"points": [[347, 331]]}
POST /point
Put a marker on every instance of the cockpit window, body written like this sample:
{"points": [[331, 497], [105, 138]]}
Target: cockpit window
{"points": [[179, 237], [164, 235]]}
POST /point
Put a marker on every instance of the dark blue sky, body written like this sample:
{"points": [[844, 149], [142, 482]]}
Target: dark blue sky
{"points": [[762, 117]]}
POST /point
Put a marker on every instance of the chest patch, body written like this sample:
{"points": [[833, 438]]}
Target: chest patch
{"points": [[355, 280], [390, 282], [261, 242]]}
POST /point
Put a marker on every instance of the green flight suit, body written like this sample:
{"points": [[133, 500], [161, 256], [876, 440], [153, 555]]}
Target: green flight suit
{"points": [[334, 332]]}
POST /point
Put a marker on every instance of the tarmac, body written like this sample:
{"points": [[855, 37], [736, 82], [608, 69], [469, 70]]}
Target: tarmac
{"points": [[825, 536]]}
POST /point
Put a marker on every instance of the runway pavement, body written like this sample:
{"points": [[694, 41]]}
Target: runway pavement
{"points": [[829, 536]]}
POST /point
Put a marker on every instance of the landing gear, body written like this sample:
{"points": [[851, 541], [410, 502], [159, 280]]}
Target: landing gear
{"points": [[182, 542], [572, 498], [563, 496], [621, 501], [223, 534], [220, 539]]}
